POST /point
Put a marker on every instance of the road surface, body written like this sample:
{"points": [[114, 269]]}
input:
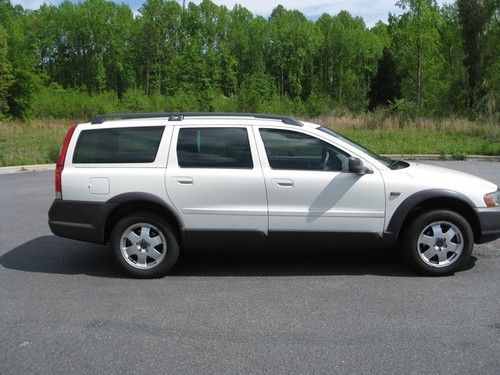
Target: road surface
{"points": [[65, 306]]}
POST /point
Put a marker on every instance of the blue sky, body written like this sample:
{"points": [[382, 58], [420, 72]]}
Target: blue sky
{"points": [[370, 10]]}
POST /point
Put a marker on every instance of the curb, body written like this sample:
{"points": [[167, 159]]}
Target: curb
{"points": [[51, 167], [444, 157], [27, 168]]}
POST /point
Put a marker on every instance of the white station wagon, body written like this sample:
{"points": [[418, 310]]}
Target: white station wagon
{"points": [[152, 184]]}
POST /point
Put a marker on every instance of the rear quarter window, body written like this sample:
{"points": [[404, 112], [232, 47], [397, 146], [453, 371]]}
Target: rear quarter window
{"points": [[118, 145]]}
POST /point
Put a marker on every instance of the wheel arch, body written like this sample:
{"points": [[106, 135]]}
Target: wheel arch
{"points": [[125, 204], [429, 200]]}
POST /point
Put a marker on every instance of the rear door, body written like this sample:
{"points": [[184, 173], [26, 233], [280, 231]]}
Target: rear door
{"points": [[215, 181]]}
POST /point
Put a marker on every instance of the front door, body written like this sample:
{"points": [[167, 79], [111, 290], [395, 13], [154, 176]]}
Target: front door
{"points": [[311, 194]]}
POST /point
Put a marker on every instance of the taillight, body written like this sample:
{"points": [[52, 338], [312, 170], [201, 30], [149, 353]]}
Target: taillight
{"points": [[60, 161]]}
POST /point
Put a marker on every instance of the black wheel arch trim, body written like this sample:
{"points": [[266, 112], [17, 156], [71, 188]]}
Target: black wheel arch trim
{"points": [[398, 218], [110, 206]]}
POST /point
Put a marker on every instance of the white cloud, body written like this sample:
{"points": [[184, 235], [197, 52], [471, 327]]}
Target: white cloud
{"points": [[31, 4]]}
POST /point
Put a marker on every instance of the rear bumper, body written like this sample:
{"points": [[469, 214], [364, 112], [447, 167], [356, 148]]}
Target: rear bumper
{"points": [[489, 222], [77, 220]]}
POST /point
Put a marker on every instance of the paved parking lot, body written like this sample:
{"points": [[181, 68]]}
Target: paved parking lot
{"points": [[65, 306]]}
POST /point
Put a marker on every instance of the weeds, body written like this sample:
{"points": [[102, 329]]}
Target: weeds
{"points": [[38, 141]]}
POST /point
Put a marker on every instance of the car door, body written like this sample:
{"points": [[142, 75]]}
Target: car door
{"points": [[311, 194], [215, 181]]}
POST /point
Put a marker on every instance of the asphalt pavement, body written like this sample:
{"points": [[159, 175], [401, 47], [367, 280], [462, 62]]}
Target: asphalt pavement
{"points": [[66, 307]]}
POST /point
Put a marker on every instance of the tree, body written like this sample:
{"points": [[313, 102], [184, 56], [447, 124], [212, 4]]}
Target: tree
{"points": [[347, 59], [292, 43], [454, 99], [386, 84], [20, 56], [6, 77], [479, 21], [416, 46]]}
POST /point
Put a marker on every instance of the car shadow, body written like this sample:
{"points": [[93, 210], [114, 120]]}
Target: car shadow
{"points": [[51, 254]]}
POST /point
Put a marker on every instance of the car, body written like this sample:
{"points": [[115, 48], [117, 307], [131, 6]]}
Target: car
{"points": [[152, 184]]}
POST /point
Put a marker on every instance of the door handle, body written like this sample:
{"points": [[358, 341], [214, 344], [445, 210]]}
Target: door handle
{"points": [[283, 182], [184, 180]]}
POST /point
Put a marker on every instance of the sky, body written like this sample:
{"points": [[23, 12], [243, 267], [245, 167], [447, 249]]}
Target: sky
{"points": [[370, 10]]}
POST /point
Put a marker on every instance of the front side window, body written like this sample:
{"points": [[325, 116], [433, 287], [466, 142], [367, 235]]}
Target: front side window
{"points": [[214, 148], [291, 150], [118, 145]]}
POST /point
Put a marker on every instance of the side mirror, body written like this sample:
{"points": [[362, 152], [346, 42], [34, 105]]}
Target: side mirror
{"points": [[357, 166]]}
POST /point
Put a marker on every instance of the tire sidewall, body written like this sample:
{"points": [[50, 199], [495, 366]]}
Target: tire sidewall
{"points": [[412, 234], [172, 245]]}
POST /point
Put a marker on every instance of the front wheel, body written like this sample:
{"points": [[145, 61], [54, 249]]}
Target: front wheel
{"points": [[145, 245], [438, 242]]}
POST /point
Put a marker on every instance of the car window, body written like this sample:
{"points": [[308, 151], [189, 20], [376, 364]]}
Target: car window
{"points": [[118, 145], [214, 148], [291, 150]]}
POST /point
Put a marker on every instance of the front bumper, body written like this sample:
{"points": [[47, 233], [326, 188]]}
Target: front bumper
{"points": [[489, 222]]}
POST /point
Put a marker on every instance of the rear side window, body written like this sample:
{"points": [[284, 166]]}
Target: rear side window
{"points": [[118, 145], [214, 148]]}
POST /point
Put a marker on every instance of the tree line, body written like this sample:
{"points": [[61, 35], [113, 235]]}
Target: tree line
{"points": [[429, 61]]}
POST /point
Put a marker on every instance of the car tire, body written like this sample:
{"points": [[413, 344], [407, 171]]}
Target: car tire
{"points": [[145, 245], [438, 242]]}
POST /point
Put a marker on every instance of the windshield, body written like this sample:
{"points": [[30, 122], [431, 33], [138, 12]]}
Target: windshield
{"points": [[386, 161]]}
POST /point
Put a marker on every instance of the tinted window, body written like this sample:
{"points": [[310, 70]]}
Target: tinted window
{"points": [[296, 151], [214, 148], [118, 145]]}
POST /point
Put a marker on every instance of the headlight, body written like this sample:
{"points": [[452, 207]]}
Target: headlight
{"points": [[492, 199]]}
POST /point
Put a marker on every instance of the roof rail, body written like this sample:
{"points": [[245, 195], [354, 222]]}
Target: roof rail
{"points": [[179, 116]]}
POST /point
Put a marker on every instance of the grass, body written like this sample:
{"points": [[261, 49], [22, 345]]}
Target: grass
{"points": [[386, 135], [38, 141]]}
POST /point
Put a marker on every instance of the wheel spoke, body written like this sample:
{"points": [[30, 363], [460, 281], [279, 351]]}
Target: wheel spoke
{"points": [[427, 240], [450, 233], [429, 253], [155, 241], [145, 233], [132, 237], [141, 258], [438, 232], [442, 255], [155, 254], [130, 250], [452, 247]]}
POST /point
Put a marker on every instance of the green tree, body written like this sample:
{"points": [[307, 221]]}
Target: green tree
{"points": [[292, 44], [6, 77], [479, 21], [454, 99], [416, 46], [347, 59]]}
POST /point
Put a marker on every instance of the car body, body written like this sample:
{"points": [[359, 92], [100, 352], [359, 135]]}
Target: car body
{"points": [[201, 179]]}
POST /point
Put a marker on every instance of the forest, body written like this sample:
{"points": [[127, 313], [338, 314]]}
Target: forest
{"points": [[74, 60]]}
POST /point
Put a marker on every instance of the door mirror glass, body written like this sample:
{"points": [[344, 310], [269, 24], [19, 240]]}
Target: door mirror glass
{"points": [[357, 166]]}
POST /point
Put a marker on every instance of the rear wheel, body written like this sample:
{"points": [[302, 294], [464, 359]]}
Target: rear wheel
{"points": [[438, 242], [145, 245]]}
